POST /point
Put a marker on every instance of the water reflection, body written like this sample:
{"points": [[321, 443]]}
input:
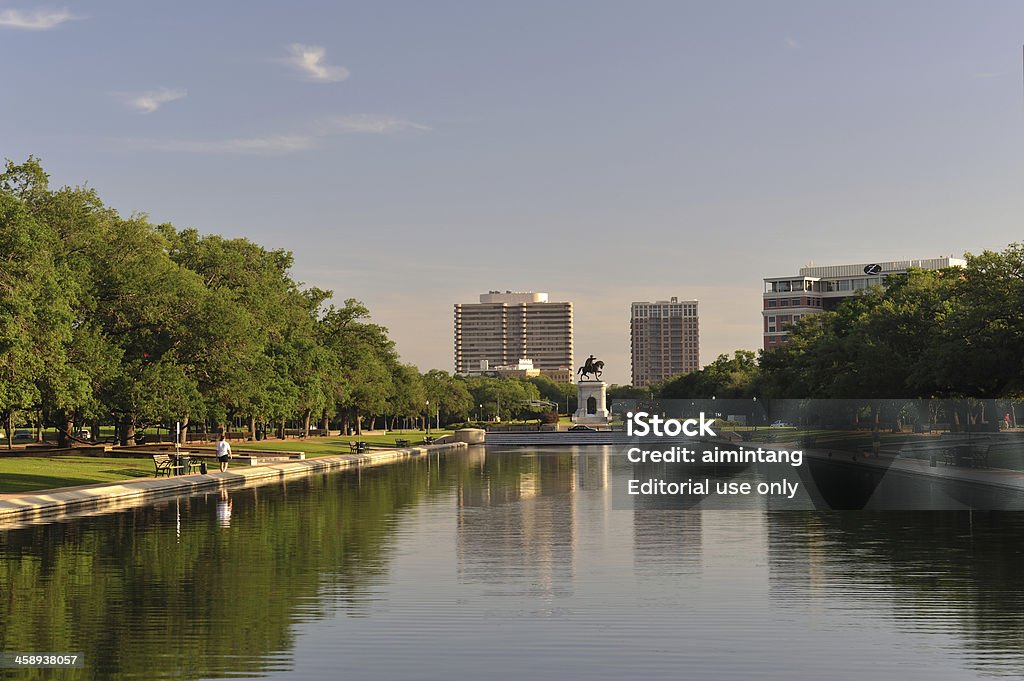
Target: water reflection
{"points": [[515, 562], [517, 522]]}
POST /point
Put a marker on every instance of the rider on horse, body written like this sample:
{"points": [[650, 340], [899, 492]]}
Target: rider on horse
{"points": [[592, 367]]}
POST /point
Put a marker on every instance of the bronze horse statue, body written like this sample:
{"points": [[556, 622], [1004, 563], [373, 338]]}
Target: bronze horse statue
{"points": [[592, 367]]}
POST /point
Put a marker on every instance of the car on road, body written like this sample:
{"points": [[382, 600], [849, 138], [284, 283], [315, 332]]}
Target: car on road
{"points": [[582, 428], [780, 424], [22, 435]]}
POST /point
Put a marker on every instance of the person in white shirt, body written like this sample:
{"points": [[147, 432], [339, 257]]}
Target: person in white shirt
{"points": [[223, 452]]}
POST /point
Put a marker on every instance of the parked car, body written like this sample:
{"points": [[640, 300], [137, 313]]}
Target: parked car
{"points": [[22, 435], [780, 424], [582, 428]]}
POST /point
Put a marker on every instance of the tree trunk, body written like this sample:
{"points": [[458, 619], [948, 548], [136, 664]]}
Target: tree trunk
{"points": [[252, 427], [9, 427], [359, 424], [307, 415], [325, 424], [64, 435], [126, 432], [281, 430], [95, 431]]}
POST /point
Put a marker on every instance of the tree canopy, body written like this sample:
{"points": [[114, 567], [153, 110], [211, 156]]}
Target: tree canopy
{"points": [[117, 321]]}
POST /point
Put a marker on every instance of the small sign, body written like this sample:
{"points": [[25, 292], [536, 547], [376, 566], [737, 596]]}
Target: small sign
{"points": [[873, 269]]}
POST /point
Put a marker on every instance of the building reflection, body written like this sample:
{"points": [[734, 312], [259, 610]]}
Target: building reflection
{"points": [[518, 516]]}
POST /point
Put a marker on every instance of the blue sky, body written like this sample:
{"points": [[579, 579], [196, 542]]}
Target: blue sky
{"points": [[413, 155]]}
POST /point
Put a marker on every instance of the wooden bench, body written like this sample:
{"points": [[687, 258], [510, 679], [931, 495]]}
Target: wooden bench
{"points": [[402, 442], [165, 465], [357, 446]]}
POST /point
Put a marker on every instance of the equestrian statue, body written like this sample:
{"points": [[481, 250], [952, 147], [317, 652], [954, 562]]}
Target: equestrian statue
{"points": [[592, 367]]}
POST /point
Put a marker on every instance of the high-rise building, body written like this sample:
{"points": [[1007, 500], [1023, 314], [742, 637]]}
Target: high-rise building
{"points": [[817, 289], [504, 328], [664, 340]]}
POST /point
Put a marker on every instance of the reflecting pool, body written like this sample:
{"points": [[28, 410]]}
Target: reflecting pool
{"points": [[511, 564]]}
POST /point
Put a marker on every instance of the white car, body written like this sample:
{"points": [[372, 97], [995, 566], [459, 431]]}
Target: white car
{"points": [[780, 424]]}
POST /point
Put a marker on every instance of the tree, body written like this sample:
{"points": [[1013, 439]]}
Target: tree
{"points": [[726, 377], [450, 394]]}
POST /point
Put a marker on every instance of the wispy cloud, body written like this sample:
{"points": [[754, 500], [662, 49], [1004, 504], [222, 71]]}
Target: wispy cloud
{"points": [[35, 19], [792, 44], [377, 124], [150, 101], [310, 137], [309, 61], [271, 145]]}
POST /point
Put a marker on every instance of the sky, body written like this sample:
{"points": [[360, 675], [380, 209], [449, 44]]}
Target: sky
{"points": [[416, 154]]}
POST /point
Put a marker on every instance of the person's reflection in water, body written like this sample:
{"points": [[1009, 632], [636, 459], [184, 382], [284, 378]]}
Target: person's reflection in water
{"points": [[224, 509]]}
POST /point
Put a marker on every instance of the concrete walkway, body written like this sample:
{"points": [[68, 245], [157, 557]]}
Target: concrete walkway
{"points": [[54, 504]]}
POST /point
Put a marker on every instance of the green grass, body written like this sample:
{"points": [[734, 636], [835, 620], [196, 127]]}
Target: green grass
{"points": [[34, 473], [328, 446], [31, 473]]}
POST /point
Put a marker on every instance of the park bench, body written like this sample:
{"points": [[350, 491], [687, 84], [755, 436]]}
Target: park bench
{"points": [[402, 442], [357, 446], [975, 456], [165, 465], [979, 456], [428, 440]]}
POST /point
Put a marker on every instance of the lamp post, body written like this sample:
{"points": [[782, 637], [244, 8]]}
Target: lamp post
{"points": [[427, 419], [480, 412]]}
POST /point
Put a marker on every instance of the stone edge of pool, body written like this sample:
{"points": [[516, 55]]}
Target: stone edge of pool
{"points": [[51, 505]]}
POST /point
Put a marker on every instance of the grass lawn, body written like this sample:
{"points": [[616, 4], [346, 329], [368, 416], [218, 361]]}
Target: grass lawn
{"points": [[30, 473], [34, 473], [328, 446]]}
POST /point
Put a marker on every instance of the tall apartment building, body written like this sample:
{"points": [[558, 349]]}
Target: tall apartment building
{"points": [[664, 340], [817, 289], [504, 328]]}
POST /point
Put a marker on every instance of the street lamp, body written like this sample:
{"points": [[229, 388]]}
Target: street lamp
{"points": [[428, 417], [480, 412]]}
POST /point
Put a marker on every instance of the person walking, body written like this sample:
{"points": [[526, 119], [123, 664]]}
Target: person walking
{"points": [[223, 452]]}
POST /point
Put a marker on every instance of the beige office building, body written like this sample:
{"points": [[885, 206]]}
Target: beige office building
{"points": [[664, 340], [504, 328]]}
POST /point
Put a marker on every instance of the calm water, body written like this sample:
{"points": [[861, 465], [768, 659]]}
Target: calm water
{"points": [[512, 565]]}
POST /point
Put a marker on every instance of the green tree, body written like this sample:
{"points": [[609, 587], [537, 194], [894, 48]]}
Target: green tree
{"points": [[726, 377], [449, 394]]}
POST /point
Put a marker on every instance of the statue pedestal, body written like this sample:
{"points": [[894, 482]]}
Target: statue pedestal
{"points": [[593, 403]]}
